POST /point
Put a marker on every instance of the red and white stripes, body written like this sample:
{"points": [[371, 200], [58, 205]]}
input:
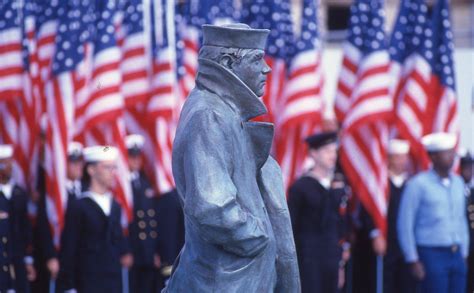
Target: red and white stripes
{"points": [[299, 113], [11, 67], [363, 88], [424, 105]]}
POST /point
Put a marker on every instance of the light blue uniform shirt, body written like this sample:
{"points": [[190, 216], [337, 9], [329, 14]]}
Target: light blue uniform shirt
{"points": [[432, 213]]}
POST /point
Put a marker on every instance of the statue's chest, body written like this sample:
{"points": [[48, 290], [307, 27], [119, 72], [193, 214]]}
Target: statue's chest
{"points": [[253, 141]]}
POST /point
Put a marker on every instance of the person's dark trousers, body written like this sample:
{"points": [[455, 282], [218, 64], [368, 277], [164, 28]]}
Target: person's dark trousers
{"points": [[445, 268], [397, 276], [470, 274], [144, 279]]}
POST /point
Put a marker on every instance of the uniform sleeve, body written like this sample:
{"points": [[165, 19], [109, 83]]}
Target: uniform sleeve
{"points": [[464, 227], [295, 197], [44, 232], [210, 196], [26, 229], [69, 246], [125, 238], [411, 198], [170, 221]]}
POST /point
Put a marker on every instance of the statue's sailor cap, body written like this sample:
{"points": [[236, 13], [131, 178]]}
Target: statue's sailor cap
{"points": [[100, 153], [236, 35], [321, 139], [439, 141], [398, 147], [6, 151], [134, 143], [74, 151]]}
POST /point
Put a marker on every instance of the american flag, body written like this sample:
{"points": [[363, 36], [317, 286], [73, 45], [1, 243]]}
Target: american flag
{"points": [[301, 110], [134, 43], [32, 100], [60, 93], [363, 107], [87, 84], [134, 38], [11, 67], [421, 49], [189, 19], [164, 99], [275, 16], [11, 78], [18, 75]]}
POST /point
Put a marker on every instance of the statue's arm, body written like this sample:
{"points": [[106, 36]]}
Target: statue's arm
{"points": [[211, 196]]}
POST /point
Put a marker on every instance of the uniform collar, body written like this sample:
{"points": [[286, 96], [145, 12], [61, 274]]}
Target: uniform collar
{"points": [[399, 179], [104, 201], [134, 175], [224, 83], [7, 189], [444, 181], [72, 185]]}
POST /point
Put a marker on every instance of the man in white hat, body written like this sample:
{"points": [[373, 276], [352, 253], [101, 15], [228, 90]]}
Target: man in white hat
{"points": [[47, 244], [93, 245], [143, 231], [432, 224], [16, 266], [397, 277]]}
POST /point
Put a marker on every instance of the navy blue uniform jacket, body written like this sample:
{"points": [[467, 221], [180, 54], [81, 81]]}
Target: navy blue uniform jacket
{"points": [[92, 246]]}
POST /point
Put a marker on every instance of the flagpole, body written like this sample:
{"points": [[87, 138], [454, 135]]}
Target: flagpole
{"points": [[52, 285], [379, 274], [125, 280]]}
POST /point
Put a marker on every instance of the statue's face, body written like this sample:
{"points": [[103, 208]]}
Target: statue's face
{"points": [[253, 70]]}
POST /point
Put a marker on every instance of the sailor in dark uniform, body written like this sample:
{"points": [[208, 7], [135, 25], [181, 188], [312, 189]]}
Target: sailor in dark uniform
{"points": [[317, 205], [397, 277], [171, 227], [467, 166], [16, 263], [143, 231], [49, 244], [93, 244]]}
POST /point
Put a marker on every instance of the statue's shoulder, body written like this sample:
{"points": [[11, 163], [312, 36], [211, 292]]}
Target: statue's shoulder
{"points": [[202, 100], [203, 106]]}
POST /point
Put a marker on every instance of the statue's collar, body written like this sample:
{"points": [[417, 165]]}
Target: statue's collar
{"points": [[221, 81]]}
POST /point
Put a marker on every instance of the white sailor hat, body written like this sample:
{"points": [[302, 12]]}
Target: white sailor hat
{"points": [[134, 143], [74, 151], [100, 154], [6, 151], [439, 141], [398, 147]]}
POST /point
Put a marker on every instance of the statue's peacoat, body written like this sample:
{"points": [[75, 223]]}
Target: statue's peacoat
{"points": [[238, 229]]}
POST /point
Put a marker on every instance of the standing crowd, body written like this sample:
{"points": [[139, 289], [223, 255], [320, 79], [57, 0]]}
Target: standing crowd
{"points": [[96, 250], [426, 247]]}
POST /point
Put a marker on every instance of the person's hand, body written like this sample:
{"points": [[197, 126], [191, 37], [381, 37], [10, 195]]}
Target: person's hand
{"points": [[341, 278], [30, 272], [346, 254], [127, 260], [379, 244], [53, 267], [157, 261], [418, 270]]}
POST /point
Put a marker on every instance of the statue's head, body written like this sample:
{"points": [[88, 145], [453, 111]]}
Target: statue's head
{"points": [[240, 49]]}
